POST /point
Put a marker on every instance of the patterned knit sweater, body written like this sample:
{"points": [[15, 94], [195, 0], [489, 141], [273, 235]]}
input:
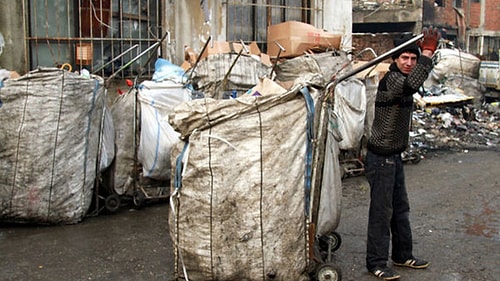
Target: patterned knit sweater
{"points": [[394, 107]]}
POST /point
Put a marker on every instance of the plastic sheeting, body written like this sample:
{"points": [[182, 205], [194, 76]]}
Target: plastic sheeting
{"points": [[371, 84], [52, 123], [350, 108], [241, 207], [329, 208], [155, 136], [158, 100]]}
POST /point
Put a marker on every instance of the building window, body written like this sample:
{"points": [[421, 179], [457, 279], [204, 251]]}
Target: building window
{"points": [[247, 20], [457, 3], [101, 36]]}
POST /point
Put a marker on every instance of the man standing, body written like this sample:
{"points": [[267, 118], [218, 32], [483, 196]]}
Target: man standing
{"points": [[389, 206]]}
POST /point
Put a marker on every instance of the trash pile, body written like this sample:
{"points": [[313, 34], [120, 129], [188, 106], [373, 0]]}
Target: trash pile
{"points": [[456, 127], [453, 112]]}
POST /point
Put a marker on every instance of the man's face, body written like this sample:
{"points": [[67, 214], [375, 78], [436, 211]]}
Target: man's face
{"points": [[406, 62]]}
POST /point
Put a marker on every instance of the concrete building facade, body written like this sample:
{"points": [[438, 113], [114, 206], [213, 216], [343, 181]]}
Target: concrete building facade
{"points": [[93, 33], [471, 25]]}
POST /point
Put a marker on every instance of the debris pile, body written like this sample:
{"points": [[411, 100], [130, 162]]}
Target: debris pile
{"points": [[454, 112], [456, 127]]}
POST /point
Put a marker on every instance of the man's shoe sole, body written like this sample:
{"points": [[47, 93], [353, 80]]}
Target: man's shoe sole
{"points": [[379, 273], [411, 266]]}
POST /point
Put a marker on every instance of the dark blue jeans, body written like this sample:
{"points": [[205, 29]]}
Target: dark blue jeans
{"points": [[389, 210]]}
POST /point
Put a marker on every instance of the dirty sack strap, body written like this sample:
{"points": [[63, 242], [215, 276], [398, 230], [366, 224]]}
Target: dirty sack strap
{"points": [[309, 147], [174, 196], [87, 134], [179, 167]]}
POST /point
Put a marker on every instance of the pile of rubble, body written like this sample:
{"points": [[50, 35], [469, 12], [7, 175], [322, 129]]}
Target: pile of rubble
{"points": [[454, 112], [456, 127]]}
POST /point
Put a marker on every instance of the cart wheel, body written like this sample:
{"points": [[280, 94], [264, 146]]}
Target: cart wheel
{"points": [[328, 272], [112, 203], [139, 198], [332, 239]]}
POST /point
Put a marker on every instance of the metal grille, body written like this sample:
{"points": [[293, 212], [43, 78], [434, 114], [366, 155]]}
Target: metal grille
{"points": [[106, 37], [248, 20]]}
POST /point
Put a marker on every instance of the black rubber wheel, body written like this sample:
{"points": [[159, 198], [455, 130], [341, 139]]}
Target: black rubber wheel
{"points": [[328, 272], [331, 239], [112, 203], [139, 198], [335, 236]]}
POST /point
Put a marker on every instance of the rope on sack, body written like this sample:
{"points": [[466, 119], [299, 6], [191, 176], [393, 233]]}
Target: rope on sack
{"points": [[261, 195], [19, 132], [87, 138], [179, 171], [221, 139], [309, 147], [210, 136], [61, 100]]}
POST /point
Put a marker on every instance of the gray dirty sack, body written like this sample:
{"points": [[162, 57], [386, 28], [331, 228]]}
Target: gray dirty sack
{"points": [[454, 62], [350, 107], [244, 74], [240, 201], [326, 64], [52, 122], [122, 111]]}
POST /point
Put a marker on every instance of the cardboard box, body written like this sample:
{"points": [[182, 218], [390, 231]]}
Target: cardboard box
{"points": [[298, 38], [265, 59], [266, 86], [186, 65]]}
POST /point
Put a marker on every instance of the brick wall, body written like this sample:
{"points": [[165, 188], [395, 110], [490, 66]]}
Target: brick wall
{"points": [[492, 15], [443, 16], [446, 16], [474, 14], [380, 43]]}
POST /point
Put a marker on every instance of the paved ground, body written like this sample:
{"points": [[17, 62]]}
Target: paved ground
{"points": [[455, 216], [455, 200]]}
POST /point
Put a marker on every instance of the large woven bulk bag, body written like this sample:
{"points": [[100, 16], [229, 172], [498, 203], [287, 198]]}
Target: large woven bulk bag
{"points": [[49, 145], [241, 198]]}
